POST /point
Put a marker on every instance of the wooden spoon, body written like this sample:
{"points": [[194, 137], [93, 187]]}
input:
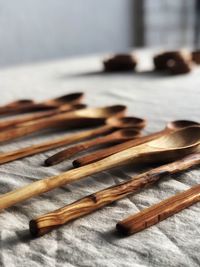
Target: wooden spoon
{"points": [[29, 105], [5, 124], [115, 137], [171, 127], [45, 223], [159, 212], [110, 124], [79, 118], [170, 146]]}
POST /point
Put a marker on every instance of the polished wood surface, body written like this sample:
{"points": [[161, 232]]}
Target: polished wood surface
{"points": [[93, 157], [5, 123], [45, 223], [27, 105], [170, 146], [118, 136], [79, 118], [159, 212]]}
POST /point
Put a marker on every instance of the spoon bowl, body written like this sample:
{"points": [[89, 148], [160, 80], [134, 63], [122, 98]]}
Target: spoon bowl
{"points": [[105, 112], [20, 102], [73, 98], [185, 138], [180, 124], [170, 128], [124, 134], [126, 122], [26, 105]]}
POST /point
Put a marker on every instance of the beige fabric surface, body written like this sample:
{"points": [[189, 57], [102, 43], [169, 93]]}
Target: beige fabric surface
{"points": [[92, 240]]}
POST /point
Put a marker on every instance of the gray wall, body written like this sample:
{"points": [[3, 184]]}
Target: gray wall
{"points": [[32, 30], [169, 22]]}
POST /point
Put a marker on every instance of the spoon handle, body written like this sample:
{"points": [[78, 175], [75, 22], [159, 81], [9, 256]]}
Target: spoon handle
{"points": [[90, 203], [93, 157], [45, 185], [63, 120], [159, 212], [45, 146], [27, 108], [69, 152], [38, 115]]}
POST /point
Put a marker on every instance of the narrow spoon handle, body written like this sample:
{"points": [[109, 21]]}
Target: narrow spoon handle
{"points": [[26, 108], [93, 157], [159, 212], [90, 203], [146, 151], [38, 115], [45, 185], [66, 119], [44, 146], [69, 152]]}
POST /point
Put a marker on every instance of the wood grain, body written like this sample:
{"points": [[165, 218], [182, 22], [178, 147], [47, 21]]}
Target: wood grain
{"points": [[79, 118], [118, 136], [5, 124], [170, 146], [88, 204], [55, 143], [159, 212], [101, 154]]}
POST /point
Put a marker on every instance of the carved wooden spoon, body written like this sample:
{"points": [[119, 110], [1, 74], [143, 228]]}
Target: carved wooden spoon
{"points": [[5, 124], [30, 105], [79, 118], [170, 146], [110, 124], [86, 205], [118, 136], [171, 127]]}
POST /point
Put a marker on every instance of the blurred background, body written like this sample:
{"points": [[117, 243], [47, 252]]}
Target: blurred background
{"points": [[35, 30]]}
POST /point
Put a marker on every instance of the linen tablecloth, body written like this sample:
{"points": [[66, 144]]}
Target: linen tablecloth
{"points": [[92, 240]]}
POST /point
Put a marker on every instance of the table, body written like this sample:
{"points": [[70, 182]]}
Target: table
{"points": [[92, 240]]}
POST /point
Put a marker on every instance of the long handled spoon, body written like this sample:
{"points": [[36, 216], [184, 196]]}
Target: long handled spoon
{"points": [[29, 105], [170, 146], [101, 154], [45, 223], [5, 124], [118, 136], [79, 118], [159, 212], [110, 124]]}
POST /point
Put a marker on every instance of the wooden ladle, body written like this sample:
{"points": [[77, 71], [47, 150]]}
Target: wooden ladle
{"points": [[110, 124], [170, 146], [171, 127], [118, 136], [79, 118], [30, 105]]}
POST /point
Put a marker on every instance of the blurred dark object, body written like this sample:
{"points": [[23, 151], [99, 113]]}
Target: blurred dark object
{"points": [[196, 57], [120, 62], [175, 62]]}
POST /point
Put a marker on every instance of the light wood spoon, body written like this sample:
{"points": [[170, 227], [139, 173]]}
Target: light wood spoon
{"points": [[118, 136], [47, 222], [79, 118], [159, 212], [168, 147], [110, 124], [101, 154], [30, 105]]}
